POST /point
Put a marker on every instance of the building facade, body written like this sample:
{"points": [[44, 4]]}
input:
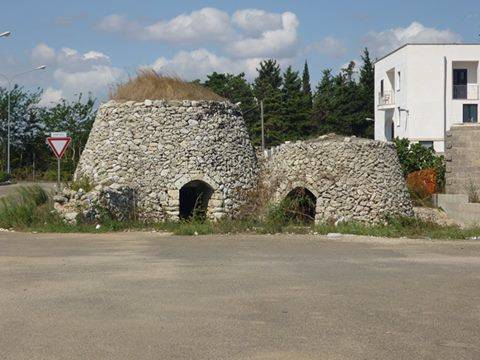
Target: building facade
{"points": [[421, 90]]}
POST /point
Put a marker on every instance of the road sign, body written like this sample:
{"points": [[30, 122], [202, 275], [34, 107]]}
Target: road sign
{"points": [[59, 142], [59, 145], [58, 134]]}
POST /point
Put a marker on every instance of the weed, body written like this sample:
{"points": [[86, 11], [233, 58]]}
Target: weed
{"points": [[148, 84], [83, 183], [473, 192]]}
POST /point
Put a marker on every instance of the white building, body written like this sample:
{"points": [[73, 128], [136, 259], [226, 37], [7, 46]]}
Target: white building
{"points": [[422, 89]]}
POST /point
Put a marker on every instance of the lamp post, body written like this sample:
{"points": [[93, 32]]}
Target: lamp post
{"points": [[9, 80]]}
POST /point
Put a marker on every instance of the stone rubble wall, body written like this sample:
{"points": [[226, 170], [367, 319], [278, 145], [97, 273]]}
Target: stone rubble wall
{"points": [[462, 161], [352, 179], [156, 147]]}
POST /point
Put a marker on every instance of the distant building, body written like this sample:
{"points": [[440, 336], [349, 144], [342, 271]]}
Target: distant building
{"points": [[423, 89]]}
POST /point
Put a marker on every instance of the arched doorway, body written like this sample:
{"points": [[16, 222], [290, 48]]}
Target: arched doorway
{"points": [[194, 197], [299, 206]]}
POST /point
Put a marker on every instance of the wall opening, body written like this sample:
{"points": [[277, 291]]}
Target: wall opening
{"points": [[299, 206], [194, 197]]}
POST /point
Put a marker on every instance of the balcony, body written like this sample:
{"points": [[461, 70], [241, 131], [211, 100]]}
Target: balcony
{"points": [[387, 99], [466, 92]]}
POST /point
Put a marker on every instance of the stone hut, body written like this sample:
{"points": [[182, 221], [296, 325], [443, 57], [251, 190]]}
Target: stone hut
{"points": [[347, 178], [176, 155]]}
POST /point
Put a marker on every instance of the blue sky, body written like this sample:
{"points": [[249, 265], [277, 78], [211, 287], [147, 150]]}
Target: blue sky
{"points": [[89, 45]]}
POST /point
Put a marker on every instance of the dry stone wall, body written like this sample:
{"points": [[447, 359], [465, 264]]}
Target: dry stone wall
{"points": [[164, 152], [352, 179], [158, 147]]}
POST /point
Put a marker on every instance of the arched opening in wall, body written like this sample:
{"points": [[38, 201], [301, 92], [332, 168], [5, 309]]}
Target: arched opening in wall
{"points": [[299, 206], [194, 197]]}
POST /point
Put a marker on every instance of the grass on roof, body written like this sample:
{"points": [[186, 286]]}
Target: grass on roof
{"points": [[151, 85]]}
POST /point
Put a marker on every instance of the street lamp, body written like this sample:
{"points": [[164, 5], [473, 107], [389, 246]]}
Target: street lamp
{"points": [[9, 80], [6, 34]]}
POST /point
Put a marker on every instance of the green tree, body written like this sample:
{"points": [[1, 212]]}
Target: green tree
{"points": [[306, 87], [22, 119], [76, 118], [267, 87], [294, 112], [367, 92]]}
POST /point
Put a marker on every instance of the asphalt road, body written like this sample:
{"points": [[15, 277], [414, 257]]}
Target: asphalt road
{"points": [[152, 296], [9, 189]]}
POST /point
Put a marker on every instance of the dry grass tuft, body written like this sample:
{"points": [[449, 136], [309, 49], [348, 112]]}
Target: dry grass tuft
{"points": [[148, 84]]}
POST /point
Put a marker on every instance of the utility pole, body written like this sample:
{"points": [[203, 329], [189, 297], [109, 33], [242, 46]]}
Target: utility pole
{"points": [[262, 125], [9, 80]]}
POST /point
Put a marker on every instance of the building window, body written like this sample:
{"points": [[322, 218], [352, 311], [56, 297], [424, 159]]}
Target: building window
{"points": [[426, 144], [382, 88], [460, 83], [470, 113], [399, 80]]}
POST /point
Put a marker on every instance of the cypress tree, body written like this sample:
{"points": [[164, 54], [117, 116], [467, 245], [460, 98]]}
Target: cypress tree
{"points": [[267, 87], [294, 114], [306, 88]]}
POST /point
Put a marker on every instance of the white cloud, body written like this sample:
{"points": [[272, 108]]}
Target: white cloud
{"points": [[271, 43], [95, 55], [96, 79], [248, 33], [384, 41], [50, 97], [197, 63], [42, 53], [72, 72], [119, 23], [205, 24], [68, 52], [256, 21], [330, 46]]}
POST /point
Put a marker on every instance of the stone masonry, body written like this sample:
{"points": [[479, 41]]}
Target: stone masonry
{"points": [[462, 160], [351, 178], [162, 150], [157, 147]]}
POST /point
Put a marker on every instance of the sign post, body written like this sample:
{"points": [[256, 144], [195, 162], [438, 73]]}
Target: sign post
{"points": [[59, 142]]}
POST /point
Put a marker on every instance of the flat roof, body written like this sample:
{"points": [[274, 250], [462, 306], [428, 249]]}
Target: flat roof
{"points": [[408, 44]]}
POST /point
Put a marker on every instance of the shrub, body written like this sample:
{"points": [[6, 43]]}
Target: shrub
{"points": [[83, 183], [25, 208], [473, 192], [414, 157], [23, 173], [150, 85], [4, 176], [422, 184]]}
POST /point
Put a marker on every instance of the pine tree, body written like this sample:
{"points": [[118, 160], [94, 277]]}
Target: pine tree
{"points": [[267, 87], [367, 92], [294, 114], [306, 88]]}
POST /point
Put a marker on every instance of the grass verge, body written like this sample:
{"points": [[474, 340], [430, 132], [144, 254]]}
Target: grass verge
{"points": [[31, 209]]}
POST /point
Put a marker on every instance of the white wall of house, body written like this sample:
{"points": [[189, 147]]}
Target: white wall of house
{"points": [[422, 93]]}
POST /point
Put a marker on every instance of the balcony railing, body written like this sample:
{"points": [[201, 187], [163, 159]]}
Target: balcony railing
{"points": [[387, 98], [466, 92]]}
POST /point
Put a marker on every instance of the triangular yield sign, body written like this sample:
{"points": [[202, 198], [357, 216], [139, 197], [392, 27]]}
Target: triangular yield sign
{"points": [[59, 145]]}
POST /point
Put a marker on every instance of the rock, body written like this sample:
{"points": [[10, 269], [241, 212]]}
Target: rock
{"points": [[71, 217], [60, 199], [334, 235]]}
